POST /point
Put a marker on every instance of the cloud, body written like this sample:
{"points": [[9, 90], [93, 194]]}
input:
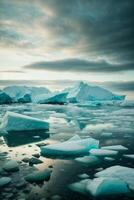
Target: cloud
{"points": [[75, 31], [79, 66], [122, 86]]}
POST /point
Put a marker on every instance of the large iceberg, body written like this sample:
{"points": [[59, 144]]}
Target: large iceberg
{"points": [[82, 92], [24, 94], [124, 173], [18, 122], [4, 98], [52, 98], [74, 146]]}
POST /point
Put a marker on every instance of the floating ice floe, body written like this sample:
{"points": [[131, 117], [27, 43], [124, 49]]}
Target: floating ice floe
{"points": [[115, 147], [131, 156], [103, 152], [98, 187], [4, 181], [83, 92], [18, 122], [106, 186], [52, 98], [39, 176], [80, 186], [124, 173], [73, 146], [4, 98], [91, 161], [11, 166]]}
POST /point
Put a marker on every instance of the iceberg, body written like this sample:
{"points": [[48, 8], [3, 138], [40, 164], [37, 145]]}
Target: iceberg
{"points": [[52, 98], [18, 122], [123, 173], [104, 186], [115, 148], [71, 147], [103, 152], [24, 94], [4, 98], [83, 92]]}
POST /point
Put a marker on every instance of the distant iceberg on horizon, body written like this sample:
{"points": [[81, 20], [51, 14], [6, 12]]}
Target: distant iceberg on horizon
{"points": [[81, 92]]}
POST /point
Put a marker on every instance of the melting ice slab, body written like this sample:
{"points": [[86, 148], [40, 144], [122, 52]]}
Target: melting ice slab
{"points": [[124, 173], [106, 186], [100, 187], [73, 146], [18, 122]]}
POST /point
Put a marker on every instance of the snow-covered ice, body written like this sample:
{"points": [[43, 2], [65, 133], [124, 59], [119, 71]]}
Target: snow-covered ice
{"points": [[70, 147], [18, 122]]}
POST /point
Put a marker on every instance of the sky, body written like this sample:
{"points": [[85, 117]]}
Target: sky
{"points": [[91, 40]]}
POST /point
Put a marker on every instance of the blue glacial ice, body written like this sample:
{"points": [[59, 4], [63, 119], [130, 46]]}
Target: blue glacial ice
{"points": [[5, 98], [18, 122]]}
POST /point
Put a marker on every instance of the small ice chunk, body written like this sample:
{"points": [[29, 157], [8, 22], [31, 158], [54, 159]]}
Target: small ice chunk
{"points": [[124, 173], [89, 160], [11, 166], [115, 148], [107, 186], [83, 176], [4, 181], [102, 152], [70, 147], [109, 159], [80, 186], [131, 156], [39, 176], [18, 122]]}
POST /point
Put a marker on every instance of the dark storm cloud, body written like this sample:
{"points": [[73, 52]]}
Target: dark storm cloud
{"points": [[79, 65], [81, 28], [122, 86]]}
